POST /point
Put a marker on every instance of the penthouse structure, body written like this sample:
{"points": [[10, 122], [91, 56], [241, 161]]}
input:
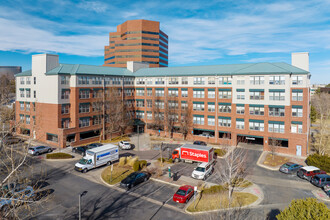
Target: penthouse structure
{"points": [[258, 102], [139, 41]]}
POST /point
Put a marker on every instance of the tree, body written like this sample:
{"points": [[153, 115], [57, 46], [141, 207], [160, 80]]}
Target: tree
{"points": [[113, 110], [186, 122], [313, 114], [307, 209], [273, 145], [171, 113], [158, 113], [321, 103]]}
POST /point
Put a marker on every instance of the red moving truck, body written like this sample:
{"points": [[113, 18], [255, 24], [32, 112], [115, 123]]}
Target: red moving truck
{"points": [[191, 153]]}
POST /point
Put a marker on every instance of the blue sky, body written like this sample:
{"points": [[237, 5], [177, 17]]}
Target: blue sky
{"points": [[200, 32]]}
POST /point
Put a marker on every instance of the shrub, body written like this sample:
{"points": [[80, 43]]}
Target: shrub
{"points": [[307, 209], [58, 156], [143, 163], [320, 161], [163, 159], [214, 189], [170, 160], [136, 165], [220, 152], [122, 161], [131, 160]]}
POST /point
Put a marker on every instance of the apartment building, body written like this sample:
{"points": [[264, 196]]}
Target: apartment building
{"points": [[257, 103], [137, 40]]}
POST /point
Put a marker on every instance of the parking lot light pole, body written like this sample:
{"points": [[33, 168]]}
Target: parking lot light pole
{"points": [[81, 195], [138, 130]]}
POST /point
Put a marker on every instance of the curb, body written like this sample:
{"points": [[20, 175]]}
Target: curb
{"points": [[163, 181], [264, 166]]}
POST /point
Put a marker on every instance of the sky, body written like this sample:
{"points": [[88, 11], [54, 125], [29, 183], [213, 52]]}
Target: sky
{"points": [[200, 32]]}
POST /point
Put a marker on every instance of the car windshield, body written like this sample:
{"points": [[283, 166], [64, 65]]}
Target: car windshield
{"points": [[317, 178], [131, 176], [200, 169], [181, 192], [287, 165], [83, 161]]}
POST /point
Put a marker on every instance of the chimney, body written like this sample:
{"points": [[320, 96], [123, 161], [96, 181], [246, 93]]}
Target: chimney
{"points": [[135, 66], [300, 60]]}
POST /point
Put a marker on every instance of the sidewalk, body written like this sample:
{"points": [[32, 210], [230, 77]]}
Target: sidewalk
{"points": [[294, 159]]}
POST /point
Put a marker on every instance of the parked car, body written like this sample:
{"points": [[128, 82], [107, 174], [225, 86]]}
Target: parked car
{"points": [[80, 150], [15, 196], [199, 143], [184, 194], [134, 179], [39, 150], [326, 189], [290, 167], [320, 180], [93, 145], [308, 172], [125, 145], [202, 171]]}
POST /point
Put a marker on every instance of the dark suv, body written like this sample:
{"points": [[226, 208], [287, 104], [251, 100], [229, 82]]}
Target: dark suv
{"points": [[308, 172], [320, 180]]}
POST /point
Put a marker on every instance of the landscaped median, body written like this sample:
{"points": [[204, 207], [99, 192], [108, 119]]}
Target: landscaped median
{"points": [[59, 155]]}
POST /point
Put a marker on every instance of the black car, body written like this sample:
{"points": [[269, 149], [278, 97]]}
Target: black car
{"points": [[93, 145], [134, 179], [199, 143], [80, 150]]}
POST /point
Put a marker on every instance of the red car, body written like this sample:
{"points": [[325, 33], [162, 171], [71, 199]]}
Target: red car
{"points": [[183, 194], [309, 172]]}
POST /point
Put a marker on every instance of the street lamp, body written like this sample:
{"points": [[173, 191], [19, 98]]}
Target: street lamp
{"points": [[81, 195], [138, 130]]}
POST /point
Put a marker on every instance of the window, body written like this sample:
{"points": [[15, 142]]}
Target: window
{"points": [[140, 81], [225, 107], [160, 81], [184, 92], [276, 111], [149, 115], [160, 93], [173, 92], [240, 81], [257, 80], [129, 92], [277, 80], [139, 114], [149, 81], [256, 125], [65, 80], [159, 104], [211, 120], [149, 92], [198, 106], [35, 80], [297, 95], [21, 118], [34, 106], [297, 80], [173, 81], [95, 80], [21, 104], [184, 105], [224, 94], [97, 93], [97, 106], [198, 93], [65, 108], [34, 94], [184, 80], [276, 126], [211, 80], [84, 122], [65, 94], [51, 137], [28, 93], [22, 80], [239, 123], [84, 93], [296, 127], [240, 94], [256, 95], [278, 95], [199, 80], [211, 106], [116, 81], [297, 111], [84, 107], [83, 80], [149, 103], [211, 93], [139, 92], [28, 106], [256, 110], [198, 119], [107, 81], [224, 122], [139, 103], [225, 80], [21, 92], [28, 80], [240, 109], [65, 123], [173, 104]]}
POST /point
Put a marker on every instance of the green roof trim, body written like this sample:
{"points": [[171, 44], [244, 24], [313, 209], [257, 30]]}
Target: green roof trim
{"points": [[139, 88], [224, 103], [297, 90], [297, 106], [183, 101], [224, 89], [84, 89], [255, 120], [184, 89], [240, 105], [149, 88], [240, 90], [198, 102], [277, 90], [97, 89], [210, 116], [28, 89], [173, 89], [211, 103], [199, 129], [222, 117], [198, 89], [160, 89], [149, 111], [279, 139], [210, 89], [25, 73], [139, 111], [254, 105], [199, 116], [21, 89], [139, 99], [256, 90], [296, 122], [276, 122], [276, 106], [239, 119], [21, 102], [253, 136]]}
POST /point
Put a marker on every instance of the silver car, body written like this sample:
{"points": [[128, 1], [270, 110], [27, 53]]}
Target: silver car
{"points": [[39, 150]]}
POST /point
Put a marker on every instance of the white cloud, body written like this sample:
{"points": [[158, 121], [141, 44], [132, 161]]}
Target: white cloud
{"points": [[95, 6]]}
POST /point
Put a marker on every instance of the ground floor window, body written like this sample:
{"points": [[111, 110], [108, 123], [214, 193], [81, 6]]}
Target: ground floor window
{"points": [[25, 131], [52, 137], [278, 142], [89, 134], [225, 135]]}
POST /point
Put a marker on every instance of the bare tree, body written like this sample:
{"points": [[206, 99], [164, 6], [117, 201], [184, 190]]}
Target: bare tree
{"points": [[171, 113], [186, 122], [125, 119], [113, 110], [321, 102], [157, 110], [274, 145]]}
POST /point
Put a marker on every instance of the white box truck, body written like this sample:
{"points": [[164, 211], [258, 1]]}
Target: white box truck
{"points": [[98, 156]]}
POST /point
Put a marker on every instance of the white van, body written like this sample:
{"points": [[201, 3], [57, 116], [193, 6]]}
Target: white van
{"points": [[98, 156], [202, 171]]}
